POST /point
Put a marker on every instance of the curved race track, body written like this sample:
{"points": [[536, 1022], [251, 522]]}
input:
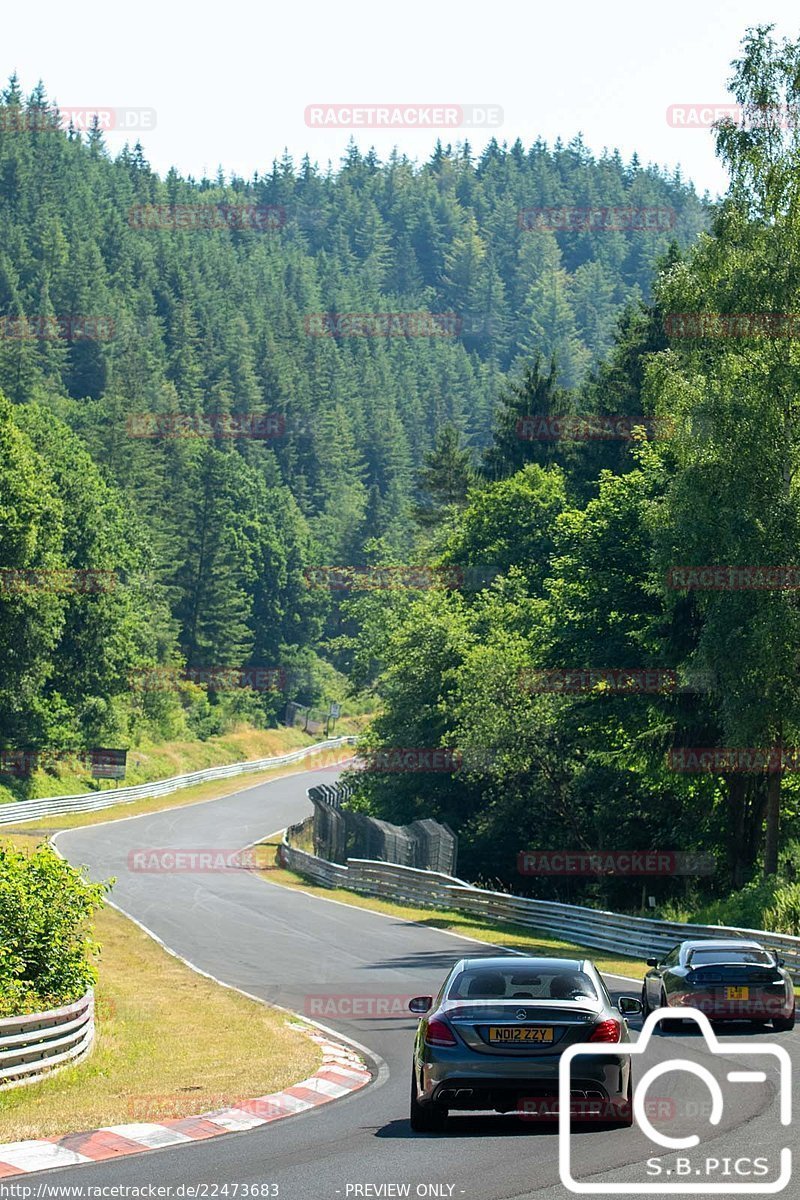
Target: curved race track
{"points": [[284, 946]]}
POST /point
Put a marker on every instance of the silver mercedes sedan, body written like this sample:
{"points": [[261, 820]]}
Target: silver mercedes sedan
{"points": [[493, 1037]]}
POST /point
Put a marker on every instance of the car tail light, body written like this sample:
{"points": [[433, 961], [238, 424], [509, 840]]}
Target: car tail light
{"points": [[606, 1031], [439, 1034]]}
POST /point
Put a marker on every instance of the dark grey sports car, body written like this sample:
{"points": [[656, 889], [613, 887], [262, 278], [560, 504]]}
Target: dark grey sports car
{"points": [[493, 1038], [727, 979]]}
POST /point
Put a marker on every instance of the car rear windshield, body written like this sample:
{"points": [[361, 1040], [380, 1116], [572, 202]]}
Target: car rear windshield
{"points": [[480, 983], [722, 955]]}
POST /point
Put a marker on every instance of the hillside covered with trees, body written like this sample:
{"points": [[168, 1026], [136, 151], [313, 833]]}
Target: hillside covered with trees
{"points": [[609, 691], [129, 303]]}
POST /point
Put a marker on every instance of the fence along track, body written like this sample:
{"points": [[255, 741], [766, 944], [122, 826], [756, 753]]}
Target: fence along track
{"points": [[27, 810], [637, 937], [35, 1045]]}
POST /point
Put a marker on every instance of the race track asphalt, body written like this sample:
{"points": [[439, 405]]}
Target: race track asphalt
{"points": [[287, 947]]}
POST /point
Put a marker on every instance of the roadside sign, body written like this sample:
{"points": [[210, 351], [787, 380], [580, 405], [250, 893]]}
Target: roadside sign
{"points": [[19, 763], [108, 764]]}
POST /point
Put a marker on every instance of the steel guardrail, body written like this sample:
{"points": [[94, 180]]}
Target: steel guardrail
{"points": [[37, 1044], [26, 810], [635, 937]]}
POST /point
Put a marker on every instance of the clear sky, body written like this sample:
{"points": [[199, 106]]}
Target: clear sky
{"points": [[228, 83]]}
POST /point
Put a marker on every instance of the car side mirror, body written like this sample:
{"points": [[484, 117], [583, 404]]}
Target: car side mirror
{"points": [[628, 1005], [420, 1004], [652, 962], [781, 962]]}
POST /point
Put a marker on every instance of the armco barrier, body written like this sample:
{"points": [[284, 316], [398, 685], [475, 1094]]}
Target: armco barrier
{"points": [[33, 1046], [637, 937], [27, 810]]}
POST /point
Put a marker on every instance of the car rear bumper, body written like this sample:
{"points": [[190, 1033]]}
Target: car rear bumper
{"points": [[534, 1099], [478, 1085], [756, 1008]]}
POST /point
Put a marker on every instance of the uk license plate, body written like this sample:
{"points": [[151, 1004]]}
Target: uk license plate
{"points": [[737, 993], [516, 1034]]}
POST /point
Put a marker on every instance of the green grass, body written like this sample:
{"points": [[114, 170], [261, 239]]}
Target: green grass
{"points": [[160, 760], [170, 1043], [44, 827]]}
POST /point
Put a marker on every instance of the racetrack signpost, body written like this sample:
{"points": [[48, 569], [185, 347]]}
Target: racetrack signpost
{"points": [[108, 764]]}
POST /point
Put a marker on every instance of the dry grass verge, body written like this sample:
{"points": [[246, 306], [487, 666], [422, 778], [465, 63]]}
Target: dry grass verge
{"points": [[170, 1043]]}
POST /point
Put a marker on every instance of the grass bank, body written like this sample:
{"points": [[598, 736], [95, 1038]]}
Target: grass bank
{"points": [[159, 760], [170, 1043], [44, 827]]}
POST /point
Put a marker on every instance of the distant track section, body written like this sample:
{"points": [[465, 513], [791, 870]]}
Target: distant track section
{"points": [[27, 810]]}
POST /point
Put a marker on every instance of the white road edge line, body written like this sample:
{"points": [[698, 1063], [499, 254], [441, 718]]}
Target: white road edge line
{"points": [[194, 803], [464, 937], [382, 1070], [382, 1073]]}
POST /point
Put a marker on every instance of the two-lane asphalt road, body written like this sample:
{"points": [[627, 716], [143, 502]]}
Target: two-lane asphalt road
{"points": [[284, 946]]}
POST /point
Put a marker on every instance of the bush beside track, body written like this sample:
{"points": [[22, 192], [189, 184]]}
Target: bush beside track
{"points": [[170, 1043]]}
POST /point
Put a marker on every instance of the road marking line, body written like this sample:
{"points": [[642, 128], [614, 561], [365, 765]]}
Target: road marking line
{"points": [[116, 1141]]}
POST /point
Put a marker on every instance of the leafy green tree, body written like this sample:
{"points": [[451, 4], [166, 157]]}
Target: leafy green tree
{"points": [[48, 950], [734, 498], [511, 522], [216, 579], [31, 619]]}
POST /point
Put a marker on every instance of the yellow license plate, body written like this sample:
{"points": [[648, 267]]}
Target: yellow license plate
{"points": [[737, 993], [515, 1034]]}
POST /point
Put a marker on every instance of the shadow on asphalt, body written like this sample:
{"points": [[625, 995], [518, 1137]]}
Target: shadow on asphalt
{"points": [[491, 1126], [429, 960], [747, 1029]]}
